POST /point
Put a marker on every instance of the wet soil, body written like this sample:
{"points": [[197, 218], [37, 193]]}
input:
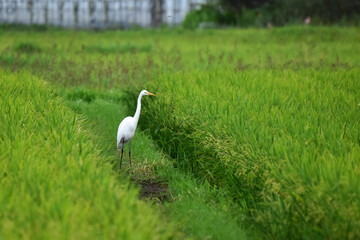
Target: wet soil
{"points": [[153, 190]]}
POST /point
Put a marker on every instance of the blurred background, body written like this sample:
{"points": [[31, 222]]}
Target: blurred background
{"points": [[124, 14], [97, 13]]}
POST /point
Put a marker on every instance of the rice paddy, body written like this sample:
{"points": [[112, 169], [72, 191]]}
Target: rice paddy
{"points": [[255, 131]]}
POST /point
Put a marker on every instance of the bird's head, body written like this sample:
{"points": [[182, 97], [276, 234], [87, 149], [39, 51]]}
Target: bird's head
{"points": [[145, 92]]}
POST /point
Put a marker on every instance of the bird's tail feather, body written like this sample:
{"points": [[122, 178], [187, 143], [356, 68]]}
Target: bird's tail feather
{"points": [[121, 144]]}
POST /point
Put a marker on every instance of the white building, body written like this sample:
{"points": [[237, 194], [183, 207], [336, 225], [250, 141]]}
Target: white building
{"points": [[96, 13]]}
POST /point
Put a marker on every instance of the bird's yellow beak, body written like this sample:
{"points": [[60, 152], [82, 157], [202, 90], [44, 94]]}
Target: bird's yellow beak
{"points": [[151, 94]]}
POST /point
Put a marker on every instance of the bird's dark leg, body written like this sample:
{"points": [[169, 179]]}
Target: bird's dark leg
{"points": [[130, 152], [122, 152]]}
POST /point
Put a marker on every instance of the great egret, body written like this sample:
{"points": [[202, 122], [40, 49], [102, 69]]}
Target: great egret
{"points": [[127, 127]]}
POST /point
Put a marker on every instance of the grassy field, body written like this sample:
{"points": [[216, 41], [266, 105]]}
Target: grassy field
{"points": [[54, 184], [286, 144], [196, 209], [258, 128]]}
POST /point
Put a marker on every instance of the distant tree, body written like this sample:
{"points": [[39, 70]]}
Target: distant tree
{"points": [[327, 11], [286, 11], [237, 5]]}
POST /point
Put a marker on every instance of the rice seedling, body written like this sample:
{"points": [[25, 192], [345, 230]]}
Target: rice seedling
{"points": [[198, 209], [54, 184], [285, 144]]}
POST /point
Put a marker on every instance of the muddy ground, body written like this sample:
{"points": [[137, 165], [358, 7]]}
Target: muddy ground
{"points": [[153, 190]]}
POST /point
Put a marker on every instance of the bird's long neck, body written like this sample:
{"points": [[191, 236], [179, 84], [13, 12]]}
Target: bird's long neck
{"points": [[138, 108]]}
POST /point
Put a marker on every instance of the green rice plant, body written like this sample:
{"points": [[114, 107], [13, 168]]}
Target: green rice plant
{"points": [[199, 210], [285, 144], [54, 183], [268, 116], [106, 60], [117, 48], [27, 47], [203, 211]]}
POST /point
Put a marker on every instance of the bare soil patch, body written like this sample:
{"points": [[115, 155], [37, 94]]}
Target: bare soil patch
{"points": [[154, 190]]}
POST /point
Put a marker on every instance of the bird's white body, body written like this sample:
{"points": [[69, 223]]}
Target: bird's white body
{"points": [[126, 131], [127, 127]]}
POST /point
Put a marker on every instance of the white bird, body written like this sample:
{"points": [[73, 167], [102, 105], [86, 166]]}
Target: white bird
{"points": [[127, 127]]}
